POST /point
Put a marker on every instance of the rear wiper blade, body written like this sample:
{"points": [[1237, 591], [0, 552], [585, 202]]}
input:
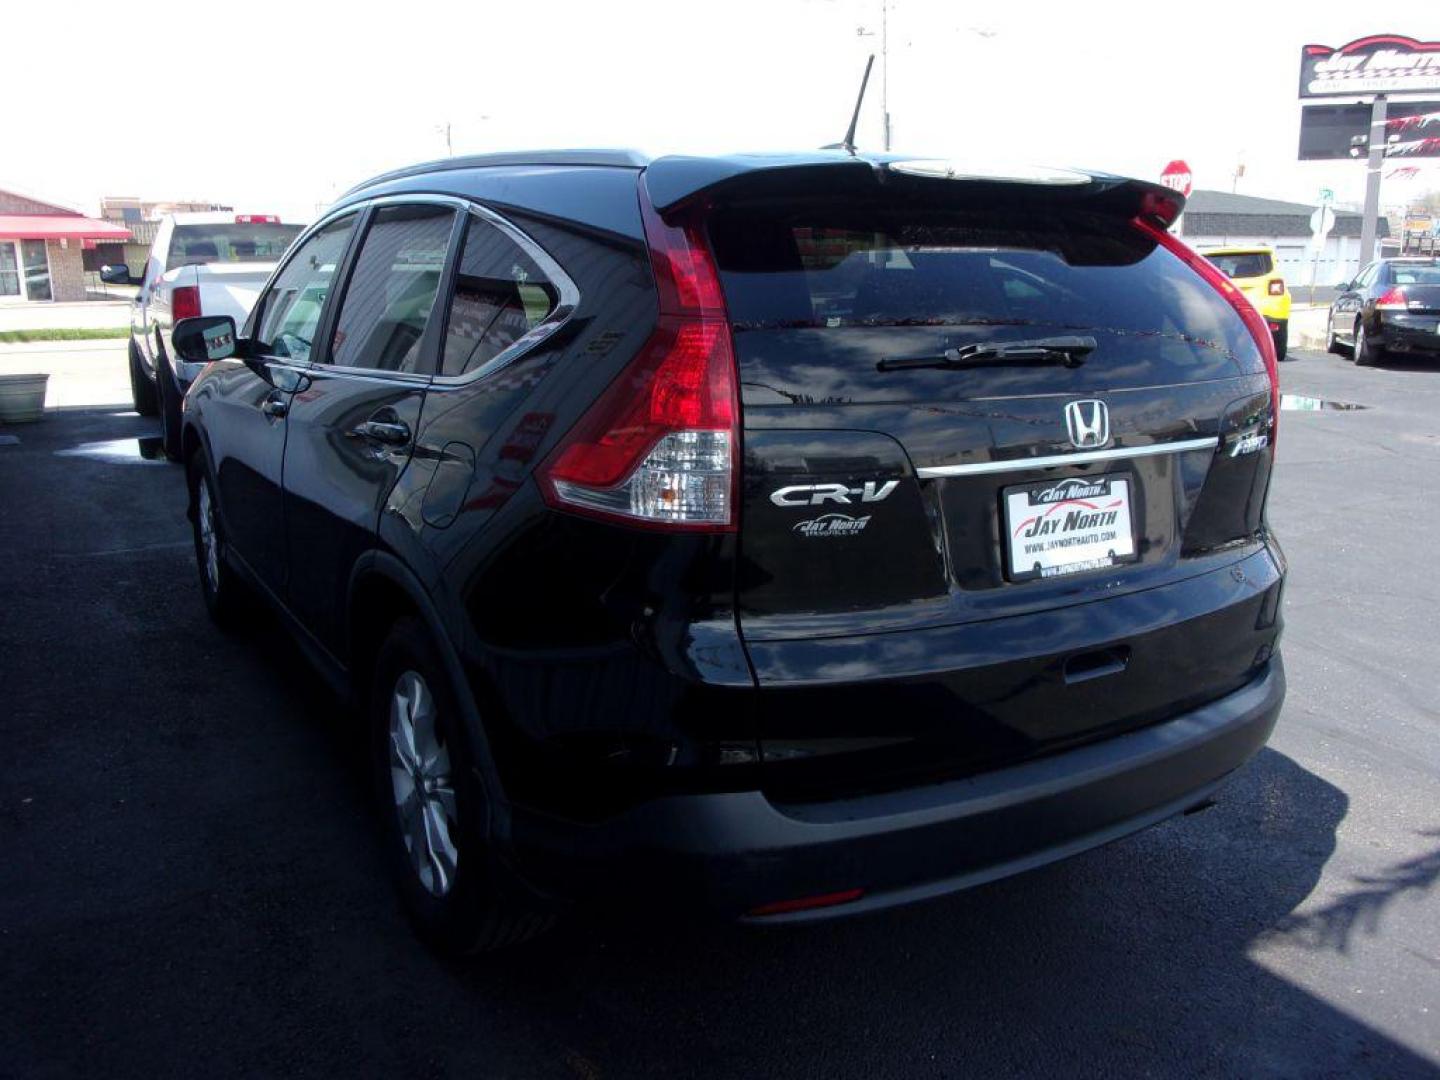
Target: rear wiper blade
{"points": [[1069, 351]]}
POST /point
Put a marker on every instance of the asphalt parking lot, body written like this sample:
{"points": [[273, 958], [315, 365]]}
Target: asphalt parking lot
{"points": [[190, 883]]}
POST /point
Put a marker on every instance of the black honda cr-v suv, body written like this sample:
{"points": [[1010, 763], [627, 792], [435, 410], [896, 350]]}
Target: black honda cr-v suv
{"points": [[787, 536]]}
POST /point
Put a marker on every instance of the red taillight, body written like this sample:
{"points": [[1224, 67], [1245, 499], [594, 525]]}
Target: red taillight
{"points": [[1393, 299], [257, 219], [807, 903], [1236, 299], [1277, 287], [185, 302], [660, 446]]}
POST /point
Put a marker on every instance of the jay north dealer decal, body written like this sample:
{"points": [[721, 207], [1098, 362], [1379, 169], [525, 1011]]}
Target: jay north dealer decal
{"points": [[1379, 64]]}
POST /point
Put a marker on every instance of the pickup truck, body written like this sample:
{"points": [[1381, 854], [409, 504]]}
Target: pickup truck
{"points": [[199, 264]]}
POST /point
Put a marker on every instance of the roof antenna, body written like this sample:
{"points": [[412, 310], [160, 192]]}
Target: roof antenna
{"points": [[849, 144]]}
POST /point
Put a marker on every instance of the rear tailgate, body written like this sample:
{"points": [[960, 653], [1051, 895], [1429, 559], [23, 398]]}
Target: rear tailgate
{"points": [[922, 549], [231, 288]]}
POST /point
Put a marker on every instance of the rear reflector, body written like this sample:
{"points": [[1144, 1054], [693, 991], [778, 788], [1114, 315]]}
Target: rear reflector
{"points": [[185, 302], [1235, 298], [659, 447], [807, 903], [1393, 299]]}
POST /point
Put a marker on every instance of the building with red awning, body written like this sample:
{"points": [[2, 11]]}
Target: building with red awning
{"points": [[41, 248]]}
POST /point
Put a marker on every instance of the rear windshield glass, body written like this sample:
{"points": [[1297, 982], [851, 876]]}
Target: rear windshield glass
{"points": [[891, 267], [1416, 275], [1248, 264], [195, 245]]}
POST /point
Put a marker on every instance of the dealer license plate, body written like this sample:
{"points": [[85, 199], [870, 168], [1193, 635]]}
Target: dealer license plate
{"points": [[1068, 526]]}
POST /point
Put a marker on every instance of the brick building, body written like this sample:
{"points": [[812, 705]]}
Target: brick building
{"points": [[42, 249]]}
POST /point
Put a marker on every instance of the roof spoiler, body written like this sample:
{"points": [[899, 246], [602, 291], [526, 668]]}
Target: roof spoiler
{"points": [[677, 182]]}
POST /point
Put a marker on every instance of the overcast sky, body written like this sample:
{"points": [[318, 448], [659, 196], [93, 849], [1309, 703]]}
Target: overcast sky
{"points": [[281, 106]]}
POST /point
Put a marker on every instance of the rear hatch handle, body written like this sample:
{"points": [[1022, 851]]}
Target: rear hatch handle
{"points": [[1068, 351]]}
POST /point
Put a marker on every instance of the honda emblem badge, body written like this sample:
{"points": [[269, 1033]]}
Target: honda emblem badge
{"points": [[1088, 423]]}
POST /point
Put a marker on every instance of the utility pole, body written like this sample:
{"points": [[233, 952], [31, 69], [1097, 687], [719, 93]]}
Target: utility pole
{"points": [[1370, 224], [885, 71]]}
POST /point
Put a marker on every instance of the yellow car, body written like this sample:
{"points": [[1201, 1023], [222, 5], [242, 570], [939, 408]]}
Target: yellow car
{"points": [[1252, 269]]}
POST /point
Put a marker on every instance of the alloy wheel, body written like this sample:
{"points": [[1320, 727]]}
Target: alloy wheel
{"points": [[421, 782]]}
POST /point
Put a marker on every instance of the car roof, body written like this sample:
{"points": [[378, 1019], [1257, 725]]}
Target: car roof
{"points": [[673, 179]]}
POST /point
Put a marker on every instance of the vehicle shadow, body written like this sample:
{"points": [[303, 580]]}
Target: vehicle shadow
{"points": [[1130, 960]]}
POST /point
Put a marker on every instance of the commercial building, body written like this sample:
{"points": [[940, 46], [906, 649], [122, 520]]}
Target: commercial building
{"points": [[42, 249]]}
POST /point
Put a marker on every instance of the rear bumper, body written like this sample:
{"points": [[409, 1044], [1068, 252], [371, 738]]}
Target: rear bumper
{"points": [[1409, 333], [734, 852]]}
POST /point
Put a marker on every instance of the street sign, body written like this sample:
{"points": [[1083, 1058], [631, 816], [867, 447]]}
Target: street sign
{"points": [[1322, 221], [1176, 176], [1327, 195]]}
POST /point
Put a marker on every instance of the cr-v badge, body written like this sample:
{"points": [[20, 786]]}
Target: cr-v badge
{"points": [[816, 494], [1088, 423]]}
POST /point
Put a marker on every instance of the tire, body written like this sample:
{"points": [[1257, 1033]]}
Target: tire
{"points": [[142, 389], [227, 600], [169, 402], [1333, 346], [1282, 341], [1366, 353], [433, 808]]}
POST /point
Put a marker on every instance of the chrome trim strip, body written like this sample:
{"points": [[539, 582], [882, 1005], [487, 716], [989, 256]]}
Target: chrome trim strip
{"points": [[1053, 460]]}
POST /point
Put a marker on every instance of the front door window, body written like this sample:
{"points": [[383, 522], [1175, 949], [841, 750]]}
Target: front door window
{"points": [[37, 269], [9, 270]]}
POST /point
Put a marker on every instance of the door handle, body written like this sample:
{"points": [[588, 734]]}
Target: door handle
{"points": [[389, 432], [275, 407]]}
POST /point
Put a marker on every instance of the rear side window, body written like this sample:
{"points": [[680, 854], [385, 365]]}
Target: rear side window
{"points": [[196, 245], [995, 275], [500, 296], [1247, 265], [392, 289], [290, 311]]}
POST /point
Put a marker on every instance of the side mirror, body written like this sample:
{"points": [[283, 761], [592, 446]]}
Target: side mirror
{"points": [[119, 274], [204, 338], [1344, 286]]}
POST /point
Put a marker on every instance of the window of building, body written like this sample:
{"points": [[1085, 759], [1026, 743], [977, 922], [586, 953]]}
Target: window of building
{"points": [[9, 270], [37, 269]]}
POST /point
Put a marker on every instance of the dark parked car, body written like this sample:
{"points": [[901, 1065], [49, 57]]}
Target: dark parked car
{"points": [[1392, 307], [779, 536]]}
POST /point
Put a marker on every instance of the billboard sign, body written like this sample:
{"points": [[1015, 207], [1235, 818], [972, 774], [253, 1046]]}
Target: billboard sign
{"points": [[1336, 132], [1379, 64]]}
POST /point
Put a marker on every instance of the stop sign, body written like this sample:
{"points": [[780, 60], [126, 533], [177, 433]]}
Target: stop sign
{"points": [[1176, 176]]}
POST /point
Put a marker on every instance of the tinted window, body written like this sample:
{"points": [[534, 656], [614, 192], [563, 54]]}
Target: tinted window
{"points": [[1411, 274], [891, 267], [194, 245], [500, 296], [290, 311], [1247, 265], [392, 289]]}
